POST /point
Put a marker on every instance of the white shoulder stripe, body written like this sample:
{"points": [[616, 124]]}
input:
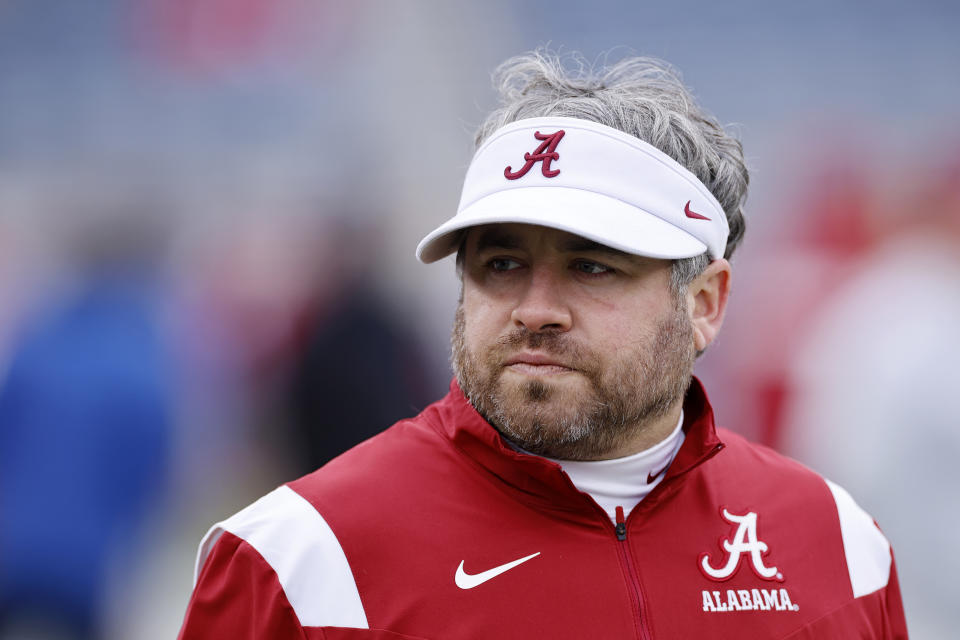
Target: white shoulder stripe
{"points": [[866, 549], [301, 548]]}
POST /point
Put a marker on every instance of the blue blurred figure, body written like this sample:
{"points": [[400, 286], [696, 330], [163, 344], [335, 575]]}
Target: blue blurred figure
{"points": [[85, 430]]}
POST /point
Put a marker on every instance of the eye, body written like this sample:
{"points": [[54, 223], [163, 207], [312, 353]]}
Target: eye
{"points": [[503, 264], [591, 268]]}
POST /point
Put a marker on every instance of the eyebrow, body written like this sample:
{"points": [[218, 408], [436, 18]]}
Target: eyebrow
{"points": [[497, 239], [583, 245]]}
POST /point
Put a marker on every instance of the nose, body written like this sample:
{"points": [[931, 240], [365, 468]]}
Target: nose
{"points": [[542, 306]]}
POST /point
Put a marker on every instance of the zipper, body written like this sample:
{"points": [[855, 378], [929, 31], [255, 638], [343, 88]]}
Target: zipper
{"points": [[623, 547], [626, 560], [626, 557]]}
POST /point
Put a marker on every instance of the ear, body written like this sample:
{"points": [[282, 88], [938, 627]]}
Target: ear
{"points": [[707, 299]]}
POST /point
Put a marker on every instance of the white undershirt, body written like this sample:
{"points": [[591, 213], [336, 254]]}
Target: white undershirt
{"points": [[622, 482]]}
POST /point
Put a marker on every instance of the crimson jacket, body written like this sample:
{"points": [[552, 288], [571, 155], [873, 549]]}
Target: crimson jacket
{"points": [[436, 529]]}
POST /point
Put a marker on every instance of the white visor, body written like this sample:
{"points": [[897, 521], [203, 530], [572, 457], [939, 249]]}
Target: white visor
{"points": [[590, 180]]}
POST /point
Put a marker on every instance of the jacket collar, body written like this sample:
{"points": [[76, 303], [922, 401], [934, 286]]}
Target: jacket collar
{"points": [[542, 481]]}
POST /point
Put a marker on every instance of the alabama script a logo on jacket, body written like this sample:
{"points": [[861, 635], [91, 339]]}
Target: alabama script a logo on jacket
{"points": [[743, 544]]}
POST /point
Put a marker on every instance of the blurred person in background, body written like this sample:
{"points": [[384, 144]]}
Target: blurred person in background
{"points": [[872, 377], [828, 231], [85, 428], [297, 304], [572, 483], [353, 343]]}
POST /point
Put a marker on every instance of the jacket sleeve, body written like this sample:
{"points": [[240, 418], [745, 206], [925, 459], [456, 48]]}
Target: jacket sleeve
{"points": [[894, 618], [875, 610], [238, 596], [274, 570], [874, 616]]}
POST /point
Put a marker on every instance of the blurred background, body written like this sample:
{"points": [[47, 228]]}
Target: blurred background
{"points": [[208, 212]]}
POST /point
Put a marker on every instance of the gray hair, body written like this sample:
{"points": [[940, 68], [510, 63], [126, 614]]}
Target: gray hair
{"points": [[643, 97]]}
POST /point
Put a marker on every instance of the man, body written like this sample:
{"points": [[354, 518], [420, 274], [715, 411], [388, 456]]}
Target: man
{"points": [[572, 484]]}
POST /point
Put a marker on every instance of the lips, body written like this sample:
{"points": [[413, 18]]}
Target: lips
{"points": [[536, 363], [539, 359]]}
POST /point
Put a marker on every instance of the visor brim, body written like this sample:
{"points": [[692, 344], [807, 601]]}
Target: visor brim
{"points": [[592, 215]]}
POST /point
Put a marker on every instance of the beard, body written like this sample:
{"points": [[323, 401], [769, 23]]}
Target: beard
{"points": [[639, 384]]}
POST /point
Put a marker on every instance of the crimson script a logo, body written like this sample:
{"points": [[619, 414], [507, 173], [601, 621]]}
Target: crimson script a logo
{"points": [[545, 153]]}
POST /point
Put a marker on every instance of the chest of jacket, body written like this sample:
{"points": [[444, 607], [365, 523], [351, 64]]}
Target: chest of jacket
{"points": [[471, 559]]}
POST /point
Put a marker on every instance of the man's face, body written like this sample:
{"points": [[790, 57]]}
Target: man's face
{"points": [[570, 349]]}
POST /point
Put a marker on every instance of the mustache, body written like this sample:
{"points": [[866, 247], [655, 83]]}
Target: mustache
{"points": [[556, 344]]}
